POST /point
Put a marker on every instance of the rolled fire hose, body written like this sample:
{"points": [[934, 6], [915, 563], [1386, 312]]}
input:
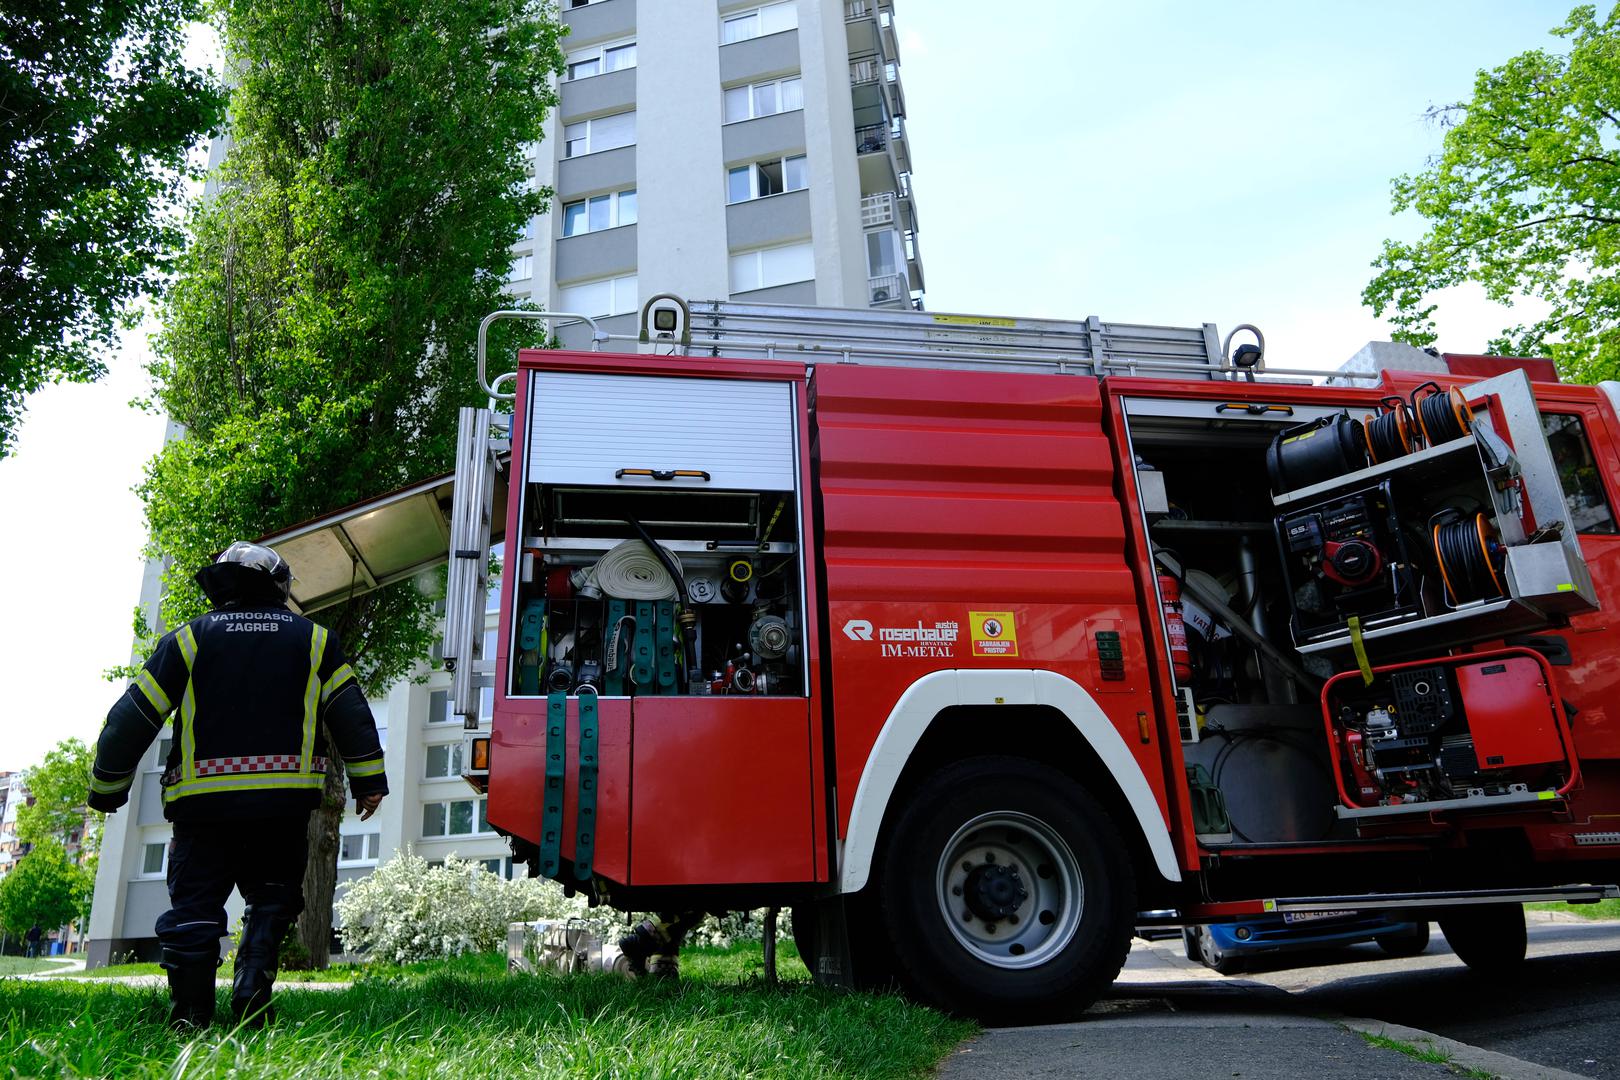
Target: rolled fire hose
{"points": [[630, 571]]}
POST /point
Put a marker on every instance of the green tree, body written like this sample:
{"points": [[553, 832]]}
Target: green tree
{"points": [[59, 788], [97, 112], [45, 887], [1524, 199], [320, 333]]}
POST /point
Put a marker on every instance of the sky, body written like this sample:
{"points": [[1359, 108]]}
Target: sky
{"points": [[1155, 162]]}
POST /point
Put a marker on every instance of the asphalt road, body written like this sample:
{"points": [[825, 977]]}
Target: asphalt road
{"points": [[1561, 1010], [1283, 1019]]}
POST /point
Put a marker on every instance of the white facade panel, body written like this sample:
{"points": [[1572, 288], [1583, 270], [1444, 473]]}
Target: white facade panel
{"points": [[585, 427]]}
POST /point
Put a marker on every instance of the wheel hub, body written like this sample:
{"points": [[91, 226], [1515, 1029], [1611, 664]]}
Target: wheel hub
{"points": [[1010, 889], [993, 891]]}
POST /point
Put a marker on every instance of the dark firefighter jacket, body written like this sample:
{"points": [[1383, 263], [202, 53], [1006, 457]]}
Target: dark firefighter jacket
{"points": [[250, 690]]}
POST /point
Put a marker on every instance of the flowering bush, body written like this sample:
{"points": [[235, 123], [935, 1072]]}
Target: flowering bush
{"points": [[407, 910]]}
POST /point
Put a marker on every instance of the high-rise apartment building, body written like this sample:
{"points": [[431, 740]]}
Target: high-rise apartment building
{"points": [[734, 150], [715, 150]]}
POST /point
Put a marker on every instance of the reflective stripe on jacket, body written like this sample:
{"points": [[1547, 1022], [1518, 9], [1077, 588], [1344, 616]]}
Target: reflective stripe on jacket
{"points": [[253, 694]]}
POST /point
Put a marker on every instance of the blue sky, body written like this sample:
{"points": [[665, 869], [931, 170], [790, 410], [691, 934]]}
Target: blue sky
{"points": [[1154, 162]]}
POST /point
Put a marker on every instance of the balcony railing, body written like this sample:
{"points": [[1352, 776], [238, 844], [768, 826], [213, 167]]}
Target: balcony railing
{"points": [[862, 72], [872, 139], [877, 210], [888, 289], [859, 9]]}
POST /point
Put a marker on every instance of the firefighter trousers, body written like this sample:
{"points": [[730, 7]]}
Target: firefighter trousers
{"points": [[263, 858]]}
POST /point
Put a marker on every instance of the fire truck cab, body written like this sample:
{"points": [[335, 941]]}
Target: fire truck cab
{"points": [[980, 641]]}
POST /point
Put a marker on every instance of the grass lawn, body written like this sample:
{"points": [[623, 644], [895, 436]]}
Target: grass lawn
{"points": [[18, 965], [469, 1017], [1603, 909]]}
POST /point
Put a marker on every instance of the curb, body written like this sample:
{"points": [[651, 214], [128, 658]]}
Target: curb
{"points": [[1469, 1057]]}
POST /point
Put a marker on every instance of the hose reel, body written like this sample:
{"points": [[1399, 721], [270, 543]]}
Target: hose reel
{"points": [[1469, 555]]}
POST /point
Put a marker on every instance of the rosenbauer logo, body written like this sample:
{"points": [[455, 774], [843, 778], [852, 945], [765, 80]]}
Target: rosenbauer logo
{"points": [[921, 640]]}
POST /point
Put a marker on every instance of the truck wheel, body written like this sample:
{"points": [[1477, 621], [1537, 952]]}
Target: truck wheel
{"points": [[1487, 937], [1006, 892], [1408, 943]]}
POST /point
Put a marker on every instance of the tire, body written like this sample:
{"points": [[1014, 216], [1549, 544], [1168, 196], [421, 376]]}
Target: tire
{"points": [[1189, 944], [1411, 943], [1211, 955], [1006, 892], [1489, 938]]}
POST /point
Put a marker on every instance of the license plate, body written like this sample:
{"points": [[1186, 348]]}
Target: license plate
{"points": [[1293, 917]]}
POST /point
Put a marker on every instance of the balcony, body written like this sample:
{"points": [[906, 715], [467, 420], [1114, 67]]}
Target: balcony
{"points": [[888, 291], [888, 210], [869, 28], [874, 88], [875, 160]]}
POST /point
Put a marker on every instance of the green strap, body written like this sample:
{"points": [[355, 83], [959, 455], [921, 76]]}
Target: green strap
{"points": [[642, 653], [585, 809], [531, 647], [666, 646], [551, 801], [613, 681]]}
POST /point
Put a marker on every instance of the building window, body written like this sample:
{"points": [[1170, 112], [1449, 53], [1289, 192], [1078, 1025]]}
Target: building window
{"points": [[571, 4], [772, 266], [359, 848], [443, 761], [599, 212], [522, 268], [764, 99], [464, 817], [601, 59], [154, 859], [610, 296], [162, 759], [757, 22], [602, 133], [1578, 474], [764, 178], [439, 707]]}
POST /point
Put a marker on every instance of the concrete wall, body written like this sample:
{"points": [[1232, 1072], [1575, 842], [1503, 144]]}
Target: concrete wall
{"points": [[591, 174], [681, 231], [835, 183], [767, 137], [601, 22], [589, 256], [598, 95], [767, 222]]}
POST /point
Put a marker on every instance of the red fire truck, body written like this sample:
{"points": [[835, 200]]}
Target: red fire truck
{"points": [[980, 641]]}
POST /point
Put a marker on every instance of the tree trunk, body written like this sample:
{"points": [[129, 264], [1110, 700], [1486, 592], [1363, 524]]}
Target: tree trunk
{"points": [[320, 872]]}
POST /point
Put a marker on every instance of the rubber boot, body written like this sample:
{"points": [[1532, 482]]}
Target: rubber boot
{"points": [[191, 988], [638, 946], [257, 958]]}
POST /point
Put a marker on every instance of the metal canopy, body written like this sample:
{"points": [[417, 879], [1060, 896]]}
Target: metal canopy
{"points": [[374, 543]]}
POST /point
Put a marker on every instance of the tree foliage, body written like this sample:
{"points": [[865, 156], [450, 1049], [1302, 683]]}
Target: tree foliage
{"points": [[97, 112], [59, 787], [45, 887], [1524, 199], [320, 333]]}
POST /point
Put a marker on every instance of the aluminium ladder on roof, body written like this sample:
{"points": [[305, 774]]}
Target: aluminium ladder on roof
{"points": [[933, 339]]}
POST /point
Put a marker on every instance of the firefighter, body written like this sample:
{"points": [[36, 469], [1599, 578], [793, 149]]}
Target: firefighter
{"points": [[653, 947], [254, 690]]}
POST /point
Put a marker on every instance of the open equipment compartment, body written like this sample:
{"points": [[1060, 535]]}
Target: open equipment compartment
{"points": [[656, 562], [1257, 615], [706, 469]]}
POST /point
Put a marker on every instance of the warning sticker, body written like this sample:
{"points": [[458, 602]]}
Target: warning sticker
{"points": [[994, 633]]}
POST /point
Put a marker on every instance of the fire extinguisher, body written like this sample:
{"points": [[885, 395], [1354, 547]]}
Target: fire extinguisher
{"points": [[1180, 655]]}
